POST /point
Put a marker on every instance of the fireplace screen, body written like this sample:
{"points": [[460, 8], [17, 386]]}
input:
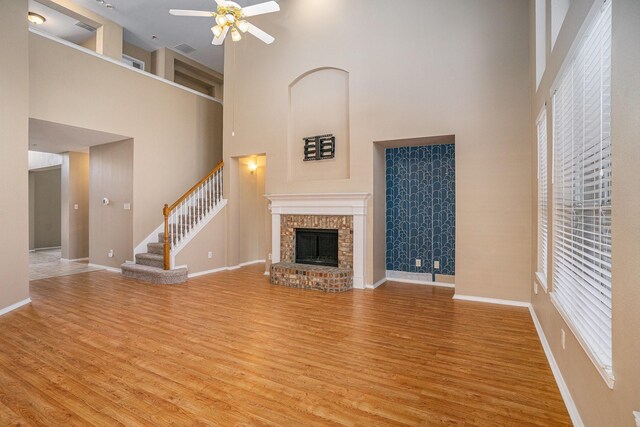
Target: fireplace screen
{"points": [[317, 247]]}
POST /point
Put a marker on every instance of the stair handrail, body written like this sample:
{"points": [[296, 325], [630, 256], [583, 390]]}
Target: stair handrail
{"points": [[169, 209]]}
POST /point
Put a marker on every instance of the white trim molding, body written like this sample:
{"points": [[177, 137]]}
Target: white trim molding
{"points": [[104, 267], [347, 204], [637, 416], [15, 306], [377, 284], [415, 279], [492, 300], [555, 369], [218, 270]]}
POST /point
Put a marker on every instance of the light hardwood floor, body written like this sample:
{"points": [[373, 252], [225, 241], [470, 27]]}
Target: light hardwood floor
{"points": [[230, 349]]}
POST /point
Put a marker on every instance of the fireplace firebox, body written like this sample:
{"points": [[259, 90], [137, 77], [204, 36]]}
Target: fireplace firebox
{"points": [[317, 247]]}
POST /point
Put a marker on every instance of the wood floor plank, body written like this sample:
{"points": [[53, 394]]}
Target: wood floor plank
{"points": [[230, 349]]}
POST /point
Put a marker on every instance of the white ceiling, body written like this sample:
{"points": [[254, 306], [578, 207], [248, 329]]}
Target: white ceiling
{"points": [[145, 18], [49, 137], [59, 24]]}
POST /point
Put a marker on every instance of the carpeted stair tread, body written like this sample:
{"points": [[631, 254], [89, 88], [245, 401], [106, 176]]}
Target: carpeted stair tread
{"points": [[155, 248], [154, 275], [151, 260]]}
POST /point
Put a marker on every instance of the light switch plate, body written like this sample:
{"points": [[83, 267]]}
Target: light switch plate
{"points": [[535, 288], [418, 263], [76, 206], [127, 206], [210, 254], [564, 339], [436, 264]]}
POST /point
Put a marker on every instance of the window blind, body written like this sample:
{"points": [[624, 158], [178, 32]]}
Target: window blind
{"points": [[582, 191], [542, 195]]}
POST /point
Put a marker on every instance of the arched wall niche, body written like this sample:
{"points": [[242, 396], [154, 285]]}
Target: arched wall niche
{"points": [[319, 105]]}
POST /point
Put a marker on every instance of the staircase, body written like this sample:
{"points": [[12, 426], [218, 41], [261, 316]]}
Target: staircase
{"points": [[182, 221]]}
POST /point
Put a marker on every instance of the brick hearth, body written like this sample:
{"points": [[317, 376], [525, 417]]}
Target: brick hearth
{"points": [[328, 279]]}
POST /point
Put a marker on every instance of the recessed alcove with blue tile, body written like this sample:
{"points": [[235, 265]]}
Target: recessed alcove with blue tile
{"points": [[421, 209]]}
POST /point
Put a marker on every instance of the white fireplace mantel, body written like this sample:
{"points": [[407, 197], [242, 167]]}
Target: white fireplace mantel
{"points": [[348, 204]]}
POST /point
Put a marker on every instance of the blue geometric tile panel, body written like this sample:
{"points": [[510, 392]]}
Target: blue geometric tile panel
{"points": [[421, 208]]}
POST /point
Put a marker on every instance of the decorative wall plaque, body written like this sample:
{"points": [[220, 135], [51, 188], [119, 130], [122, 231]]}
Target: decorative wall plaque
{"points": [[319, 147]]}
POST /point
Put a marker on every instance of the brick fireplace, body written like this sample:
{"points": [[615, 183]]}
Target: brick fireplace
{"points": [[325, 213]]}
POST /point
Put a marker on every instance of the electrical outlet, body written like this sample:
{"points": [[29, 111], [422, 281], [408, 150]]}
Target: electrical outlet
{"points": [[110, 254], [269, 257], [535, 288], [564, 339], [436, 264], [210, 254], [418, 263]]}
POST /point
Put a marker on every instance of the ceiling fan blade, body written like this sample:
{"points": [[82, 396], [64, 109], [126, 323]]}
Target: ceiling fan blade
{"points": [[181, 12], [261, 9], [218, 41], [260, 34]]}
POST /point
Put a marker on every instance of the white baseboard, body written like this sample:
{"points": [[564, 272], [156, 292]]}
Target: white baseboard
{"points": [[377, 284], [414, 279], [104, 267], [492, 300], [204, 273], [218, 270], [79, 259], [45, 249], [245, 264], [564, 390], [12, 307], [637, 416]]}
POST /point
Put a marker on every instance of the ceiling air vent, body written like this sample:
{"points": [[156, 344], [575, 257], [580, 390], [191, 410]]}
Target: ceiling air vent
{"points": [[185, 48], [85, 26]]}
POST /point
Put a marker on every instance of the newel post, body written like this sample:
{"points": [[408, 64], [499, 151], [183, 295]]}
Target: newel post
{"points": [[167, 249]]}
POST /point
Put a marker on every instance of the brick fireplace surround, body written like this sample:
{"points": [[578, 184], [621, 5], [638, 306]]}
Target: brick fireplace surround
{"points": [[343, 212]]}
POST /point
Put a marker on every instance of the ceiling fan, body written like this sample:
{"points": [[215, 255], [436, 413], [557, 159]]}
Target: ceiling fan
{"points": [[230, 17]]}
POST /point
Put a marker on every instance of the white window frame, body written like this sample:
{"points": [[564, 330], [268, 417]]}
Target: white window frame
{"points": [[542, 260], [572, 305]]}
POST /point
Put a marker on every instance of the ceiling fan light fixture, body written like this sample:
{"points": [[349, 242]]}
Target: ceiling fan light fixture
{"points": [[230, 17], [217, 30], [235, 35], [243, 26], [221, 20]]}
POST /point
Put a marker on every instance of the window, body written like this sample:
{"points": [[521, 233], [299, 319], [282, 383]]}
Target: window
{"points": [[542, 198], [541, 39], [582, 193], [559, 9]]}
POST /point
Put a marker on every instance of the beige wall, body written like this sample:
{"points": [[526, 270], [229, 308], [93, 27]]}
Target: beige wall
{"points": [[177, 134], [75, 191], [14, 128], [597, 404], [138, 53], [45, 207], [461, 67], [212, 239], [108, 37], [111, 226], [175, 67]]}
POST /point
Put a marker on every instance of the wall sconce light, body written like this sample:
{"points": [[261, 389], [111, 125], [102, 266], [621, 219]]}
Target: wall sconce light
{"points": [[252, 167], [34, 18]]}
